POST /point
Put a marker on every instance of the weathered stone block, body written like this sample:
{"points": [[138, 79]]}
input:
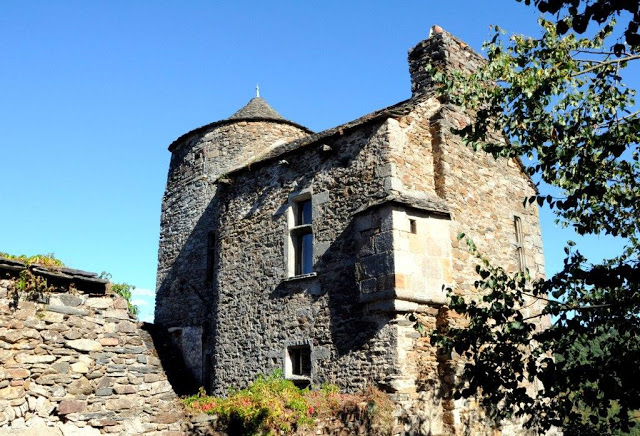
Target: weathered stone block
{"points": [[167, 417], [65, 300], [100, 303], [33, 358], [85, 345], [66, 407], [116, 314], [11, 393], [66, 310], [108, 342], [126, 327], [16, 373], [80, 367], [82, 386], [10, 336]]}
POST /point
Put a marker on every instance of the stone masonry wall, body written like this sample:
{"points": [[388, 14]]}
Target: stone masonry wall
{"points": [[484, 195], [184, 294], [260, 310], [196, 164], [76, 363]]}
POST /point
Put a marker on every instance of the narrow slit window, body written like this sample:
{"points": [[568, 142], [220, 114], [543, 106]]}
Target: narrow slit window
{"points": [[211, 251], [413, 227], [517, 224]]}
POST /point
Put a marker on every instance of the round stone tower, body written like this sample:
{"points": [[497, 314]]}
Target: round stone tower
{"points": [[199, 161]]}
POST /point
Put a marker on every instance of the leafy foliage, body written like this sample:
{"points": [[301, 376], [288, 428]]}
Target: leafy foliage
{"points": [[28, 286], [48, 259], [274, 405], [561, 101], [576, 15], [124, 290]]}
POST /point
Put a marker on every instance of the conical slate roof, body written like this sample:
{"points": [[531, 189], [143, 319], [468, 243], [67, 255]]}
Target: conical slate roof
{"points": [[257, 108]]}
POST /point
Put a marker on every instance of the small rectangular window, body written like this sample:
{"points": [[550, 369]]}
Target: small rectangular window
{"points": [[413, 227], [298, 365], [517, 224]]}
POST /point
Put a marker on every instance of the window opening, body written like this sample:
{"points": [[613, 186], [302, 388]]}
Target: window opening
{"points": [[303, 215], [298, 367], [517, 224], [413, 226], [211, 251], [302, 237]]}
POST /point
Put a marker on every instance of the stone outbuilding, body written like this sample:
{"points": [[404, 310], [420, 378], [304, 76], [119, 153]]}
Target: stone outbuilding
{"points": [[313, 253]]}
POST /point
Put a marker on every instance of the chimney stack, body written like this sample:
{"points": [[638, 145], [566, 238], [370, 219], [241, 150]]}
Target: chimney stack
{"points": [[442, 50]]}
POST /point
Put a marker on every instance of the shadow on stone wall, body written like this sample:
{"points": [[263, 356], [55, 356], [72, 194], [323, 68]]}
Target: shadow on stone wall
{"points": [[351, 327], [180, 378], [185, 299]]}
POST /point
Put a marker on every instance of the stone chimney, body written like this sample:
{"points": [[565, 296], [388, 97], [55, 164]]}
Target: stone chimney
{"points": [[442, 50]]}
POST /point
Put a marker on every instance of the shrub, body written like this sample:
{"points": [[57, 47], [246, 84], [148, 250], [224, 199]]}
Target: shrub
{"points": [[274, 405]]}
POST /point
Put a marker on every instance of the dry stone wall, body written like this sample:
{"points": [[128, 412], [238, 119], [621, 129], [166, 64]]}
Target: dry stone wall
{"points": [[76, 363]]}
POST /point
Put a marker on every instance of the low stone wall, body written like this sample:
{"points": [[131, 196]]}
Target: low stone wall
{"points": [[76, 363]]}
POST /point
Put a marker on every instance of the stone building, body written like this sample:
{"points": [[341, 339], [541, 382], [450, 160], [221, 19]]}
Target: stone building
{"points": [[281, 248]]}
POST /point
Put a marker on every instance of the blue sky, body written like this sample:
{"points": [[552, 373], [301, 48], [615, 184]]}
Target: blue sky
{"points": [[92, 94]]}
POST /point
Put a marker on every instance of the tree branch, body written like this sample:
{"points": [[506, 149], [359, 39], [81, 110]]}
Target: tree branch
{"points": [[605, 63]]}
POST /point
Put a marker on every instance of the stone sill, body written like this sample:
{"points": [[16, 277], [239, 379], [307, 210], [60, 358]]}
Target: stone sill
{"points": [[300, 277]]}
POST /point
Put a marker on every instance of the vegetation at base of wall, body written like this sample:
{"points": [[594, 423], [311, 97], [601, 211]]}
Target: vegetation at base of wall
{"points": [[274, 405]]}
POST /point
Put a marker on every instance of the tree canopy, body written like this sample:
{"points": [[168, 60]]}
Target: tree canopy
{"points": [[560, 101]]}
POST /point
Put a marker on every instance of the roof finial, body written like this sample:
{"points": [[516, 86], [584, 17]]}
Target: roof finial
{"points": [[257, 90]]}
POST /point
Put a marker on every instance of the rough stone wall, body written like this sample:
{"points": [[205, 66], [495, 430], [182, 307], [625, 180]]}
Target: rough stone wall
{"points": [[483, 195], [411, 159], [184, 295], [441, 50], [196, 164], [80, 364], [260, 312]]}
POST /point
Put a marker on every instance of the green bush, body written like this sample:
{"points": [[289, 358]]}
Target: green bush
{"points": [[124, 290], [270, 405], [274, 405]]}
